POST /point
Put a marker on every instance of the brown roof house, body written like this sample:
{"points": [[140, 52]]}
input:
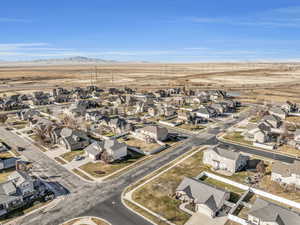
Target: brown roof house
{"points": [[224, 159], [286, 173], [73, 139], [208, 199]]}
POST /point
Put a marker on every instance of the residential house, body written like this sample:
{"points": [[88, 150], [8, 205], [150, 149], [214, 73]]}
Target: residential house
{"points": [[62, 98], [152, 133], [120, 125], [184, 115], [73, 139], [37, 123], [290, 107], [279, 112], [208, 199], [224, 159], [220, 108], [264, 212], [286, 173], [153, 111], [94, 116], [3, 147], [75, 111], [54, 134], [272, 120], [11, 104], [231, 104], [7, 163], [206, 112], [166, 111], [20, 190], [297, 136], [26, 114], [113, 149], [199, 100]]}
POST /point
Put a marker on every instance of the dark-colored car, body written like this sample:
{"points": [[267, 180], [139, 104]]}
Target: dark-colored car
{"points": [[21, 149]]}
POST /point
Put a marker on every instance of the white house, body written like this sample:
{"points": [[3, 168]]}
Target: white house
{"points": [[114, 149], [286, 173], [152, 132], [224, 159]]}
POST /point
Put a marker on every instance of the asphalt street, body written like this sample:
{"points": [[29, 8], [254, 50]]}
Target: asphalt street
{"points": [[104, 199]]}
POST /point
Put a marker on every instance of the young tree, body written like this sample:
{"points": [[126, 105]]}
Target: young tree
{"points": [[261, 168]]}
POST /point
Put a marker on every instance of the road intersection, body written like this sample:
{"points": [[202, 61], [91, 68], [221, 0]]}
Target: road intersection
{"points": [[103, 199]]}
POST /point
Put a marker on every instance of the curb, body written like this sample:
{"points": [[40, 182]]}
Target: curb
{"points": [[123, 195]]}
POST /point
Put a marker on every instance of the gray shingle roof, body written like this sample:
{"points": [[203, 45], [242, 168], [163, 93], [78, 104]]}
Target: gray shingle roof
{"points": [[269, 212], [202, 193], [286, 170], [94, 148], [229, 154]]}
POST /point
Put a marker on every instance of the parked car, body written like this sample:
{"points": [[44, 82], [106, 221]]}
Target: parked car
{"points": [[21, 149]]}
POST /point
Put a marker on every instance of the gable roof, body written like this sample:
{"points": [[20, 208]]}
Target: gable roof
{"points": [[286, 170], [269, 212], [94, 148], [113, 144], [277, 110], [202, 193], [154, 129], [226, 153], [271, 118]]}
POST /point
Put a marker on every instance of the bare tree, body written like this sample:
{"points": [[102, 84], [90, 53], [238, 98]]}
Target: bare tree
{"points": [[261, 168], [3, 118]]}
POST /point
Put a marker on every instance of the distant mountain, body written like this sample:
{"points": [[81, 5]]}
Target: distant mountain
{"points": [[75, 59]]}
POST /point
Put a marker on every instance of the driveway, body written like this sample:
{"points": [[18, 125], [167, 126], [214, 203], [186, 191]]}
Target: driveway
{"points": [[199, 218]]}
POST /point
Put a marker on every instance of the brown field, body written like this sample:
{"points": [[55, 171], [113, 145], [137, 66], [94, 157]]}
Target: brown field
{"points": [[259, 81]]}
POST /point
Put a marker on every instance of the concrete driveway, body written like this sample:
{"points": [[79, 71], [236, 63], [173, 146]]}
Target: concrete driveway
{"points": [[201, 219]]}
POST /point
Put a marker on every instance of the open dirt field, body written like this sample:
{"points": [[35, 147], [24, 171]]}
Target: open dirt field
{"points": [[244, 76]]}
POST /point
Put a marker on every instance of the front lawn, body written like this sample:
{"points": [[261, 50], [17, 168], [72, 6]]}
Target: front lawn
{"points": [[289, 150], [139, 144], [236, 137], [100, 169], [222, 185], [191, 127], [5, 173], [293, 119], [155, 195], [69, 156], [5, 155]]}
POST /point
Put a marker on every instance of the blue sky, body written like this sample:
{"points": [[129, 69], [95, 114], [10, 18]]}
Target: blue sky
{"points": [[156, 30]]}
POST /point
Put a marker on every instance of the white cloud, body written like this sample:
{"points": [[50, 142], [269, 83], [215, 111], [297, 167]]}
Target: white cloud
{"points": [[282, 17], [16, 46]]}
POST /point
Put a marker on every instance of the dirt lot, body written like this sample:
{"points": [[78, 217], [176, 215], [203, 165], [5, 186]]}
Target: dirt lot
{"points": [[206, 75]]}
